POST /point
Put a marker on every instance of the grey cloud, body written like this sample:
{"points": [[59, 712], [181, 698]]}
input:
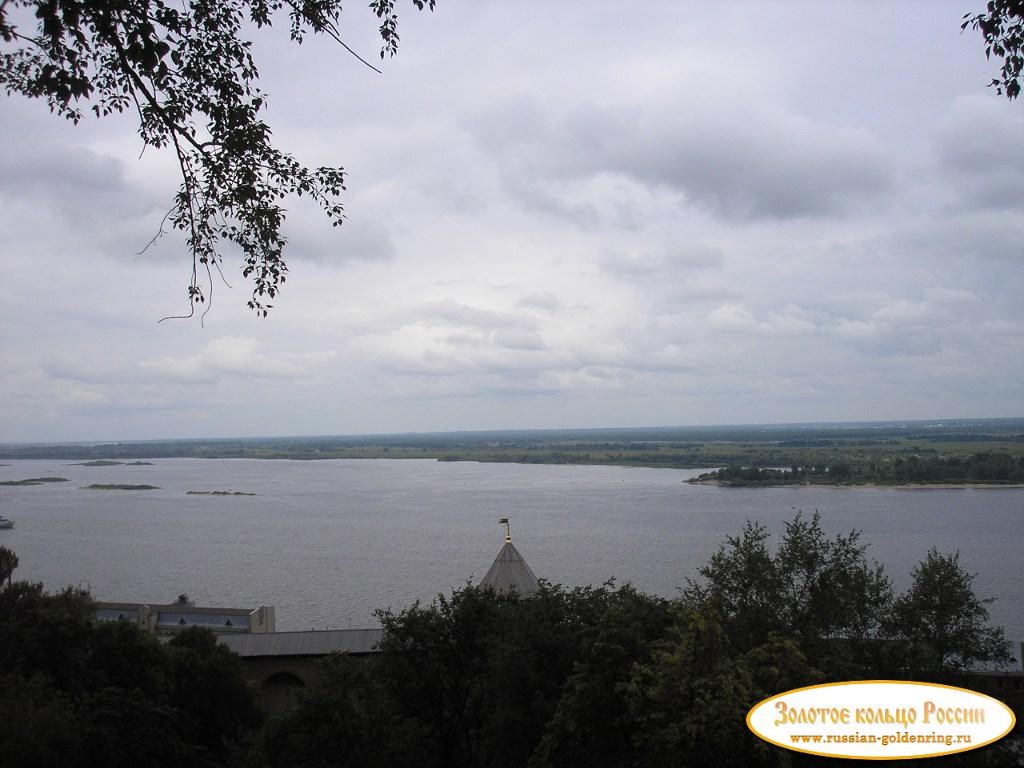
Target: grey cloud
{"points": [[512, 126], [989, 235], [455, 376], [544, 302], [672, 280], [88, 371], [449, 338], [464, 340], [225, 356], [529, 147], [738, 164], [977, 148], [684, 290], [454, 313], [527, 340], [513, 334], [359, 238], [73, 179], [542, 196], [882, 339], [645, 265], [905, 327], [757, 168]]}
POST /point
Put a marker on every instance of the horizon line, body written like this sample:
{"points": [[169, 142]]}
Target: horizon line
{"points": [[833, 424]]}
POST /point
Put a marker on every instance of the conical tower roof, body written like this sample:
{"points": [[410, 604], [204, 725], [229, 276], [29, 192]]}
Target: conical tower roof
{"points": [[509, 571]]}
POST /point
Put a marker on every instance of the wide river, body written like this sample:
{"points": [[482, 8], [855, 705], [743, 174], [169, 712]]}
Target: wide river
{"points": [[328, 542]]}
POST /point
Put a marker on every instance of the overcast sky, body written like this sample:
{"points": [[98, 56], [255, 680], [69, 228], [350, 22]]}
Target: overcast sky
{"points": [[570, 214]]}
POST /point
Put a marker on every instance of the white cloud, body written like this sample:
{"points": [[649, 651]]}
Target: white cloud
{"points": [[230, 355]]}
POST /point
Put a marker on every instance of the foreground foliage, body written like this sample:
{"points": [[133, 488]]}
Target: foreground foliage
{"points": [[609, 676], [601, 676], [77, 692], [1002, 28]]}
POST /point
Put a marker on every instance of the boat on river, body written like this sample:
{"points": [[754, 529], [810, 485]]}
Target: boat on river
{"points": [[6, 523]]}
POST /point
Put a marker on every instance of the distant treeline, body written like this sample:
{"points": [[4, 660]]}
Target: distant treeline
{"points": [[888, 453], [571, 442]]}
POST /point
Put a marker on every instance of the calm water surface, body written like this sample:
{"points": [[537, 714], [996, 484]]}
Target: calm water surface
{"points": [[327, 542]]}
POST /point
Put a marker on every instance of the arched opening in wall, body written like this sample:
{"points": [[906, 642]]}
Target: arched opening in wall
{"points": [[280, 693]]}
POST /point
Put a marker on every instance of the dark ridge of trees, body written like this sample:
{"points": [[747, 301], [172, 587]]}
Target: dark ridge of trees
{"points": [[601, 676]]}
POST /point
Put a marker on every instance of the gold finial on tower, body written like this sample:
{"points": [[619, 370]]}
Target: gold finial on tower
{"points": [[508, 529]]}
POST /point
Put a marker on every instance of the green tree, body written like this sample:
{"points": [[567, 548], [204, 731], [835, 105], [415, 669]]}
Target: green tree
{"points": [[691, 698], [943, 625], [348, 721], [840, 471], [482, 672], [41, 728], [209, 690], [484, 678], [481, 678], [75, 691], [8, 564], [821, 591], [594, 723], [46, 635], [188, 75], [1002, 27]]}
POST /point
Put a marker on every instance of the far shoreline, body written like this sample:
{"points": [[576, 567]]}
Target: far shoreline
{"points": [[869, 486]]}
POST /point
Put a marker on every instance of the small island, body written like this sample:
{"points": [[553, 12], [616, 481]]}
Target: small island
{"points": [[218, 493], [112, 463], [119, 487], [35, 481]]}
